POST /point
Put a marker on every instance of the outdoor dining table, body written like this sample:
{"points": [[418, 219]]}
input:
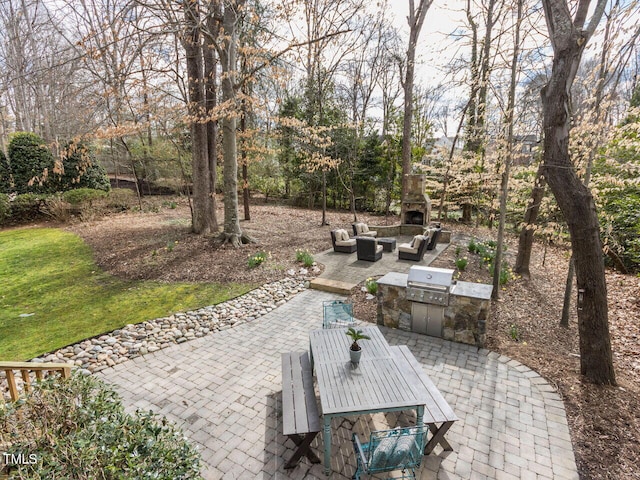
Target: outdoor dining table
{"points": [[382, 382]]}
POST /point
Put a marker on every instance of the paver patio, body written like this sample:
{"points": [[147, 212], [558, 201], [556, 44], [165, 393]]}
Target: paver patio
{"points": [[223, 390]]}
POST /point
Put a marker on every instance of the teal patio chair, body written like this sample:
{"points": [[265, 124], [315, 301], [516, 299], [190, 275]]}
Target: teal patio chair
{"points": [[337, 314], [399, 449]]}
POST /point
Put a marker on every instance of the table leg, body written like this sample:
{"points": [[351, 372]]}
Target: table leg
{"points": [[327, 444]]}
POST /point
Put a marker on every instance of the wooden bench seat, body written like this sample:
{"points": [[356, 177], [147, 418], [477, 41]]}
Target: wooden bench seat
{"points": [[438, 415], [300, 417]]}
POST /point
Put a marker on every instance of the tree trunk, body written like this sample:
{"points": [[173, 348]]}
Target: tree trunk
{"points": [[504, 190], [575, 199], [244, 161], [568, 288], [201, 213], [416, 20], [228, 58], [525, 242], [211, 95], [324, 197]]}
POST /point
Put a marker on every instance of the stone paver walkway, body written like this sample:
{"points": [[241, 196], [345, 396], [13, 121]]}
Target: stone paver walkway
{"points": [[223, 390]]}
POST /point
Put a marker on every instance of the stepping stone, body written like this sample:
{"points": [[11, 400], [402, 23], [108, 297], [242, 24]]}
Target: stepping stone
{"points": [[333, 286]]}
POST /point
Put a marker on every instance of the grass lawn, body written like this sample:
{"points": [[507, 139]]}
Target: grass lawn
{"points": [[52, 294]]}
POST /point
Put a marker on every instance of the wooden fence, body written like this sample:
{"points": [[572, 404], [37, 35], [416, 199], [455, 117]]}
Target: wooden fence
{"points": [[25, 370]]}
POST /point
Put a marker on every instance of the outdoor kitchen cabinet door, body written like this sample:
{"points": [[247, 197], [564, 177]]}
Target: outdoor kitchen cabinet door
{"points": [[427, 319]]}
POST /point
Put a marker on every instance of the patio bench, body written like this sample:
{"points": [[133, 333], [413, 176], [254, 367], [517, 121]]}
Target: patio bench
{"points": [[300, 417], [437, 410]]}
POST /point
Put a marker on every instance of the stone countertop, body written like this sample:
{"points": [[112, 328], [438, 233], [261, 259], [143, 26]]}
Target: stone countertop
{"points": [[461, 289], [394, 279], [473, 290]]}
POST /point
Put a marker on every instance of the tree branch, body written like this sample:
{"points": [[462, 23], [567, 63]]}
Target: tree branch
{"points": [[266, 63]]}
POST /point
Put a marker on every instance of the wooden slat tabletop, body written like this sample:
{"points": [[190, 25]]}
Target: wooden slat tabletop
{"points": [[382, 380], [332, 345]]}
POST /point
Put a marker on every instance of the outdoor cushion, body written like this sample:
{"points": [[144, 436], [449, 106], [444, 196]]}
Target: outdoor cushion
{"points": [[379, 248], [406, 449], [406, 247], [380, 456], [428, 233], [345, 243], [412, 247], [362, 229], [341, 235]]}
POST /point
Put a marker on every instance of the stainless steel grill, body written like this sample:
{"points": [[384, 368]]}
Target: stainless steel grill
{"points": [[428, 289], [429, 285]]}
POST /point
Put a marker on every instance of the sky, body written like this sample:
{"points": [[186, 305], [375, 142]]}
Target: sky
{"points": [[434, 39]]}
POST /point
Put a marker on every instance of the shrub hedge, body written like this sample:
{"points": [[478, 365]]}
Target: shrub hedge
{"points": [[32, 164], [5, 174], [81, 169], [79, 196], [77, 428], [5, 208]]}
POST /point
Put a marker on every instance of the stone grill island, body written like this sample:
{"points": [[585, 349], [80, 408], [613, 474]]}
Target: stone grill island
{"points": [[463, 320]]}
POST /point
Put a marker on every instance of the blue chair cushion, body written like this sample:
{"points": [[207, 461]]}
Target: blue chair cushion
{"points": [[405, 451], [380, 456]]}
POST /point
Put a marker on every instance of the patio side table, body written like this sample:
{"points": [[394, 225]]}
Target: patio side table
{"points": [[388, 244]]}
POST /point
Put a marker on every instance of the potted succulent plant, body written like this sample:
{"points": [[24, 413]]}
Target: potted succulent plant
{"points": [[355, 350]]}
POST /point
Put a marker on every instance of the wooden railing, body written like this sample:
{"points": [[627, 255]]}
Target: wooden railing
{"points": [[25, 369]]}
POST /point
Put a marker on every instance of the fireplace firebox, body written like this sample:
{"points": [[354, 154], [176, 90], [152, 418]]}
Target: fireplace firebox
{"points": [[416, 204]]}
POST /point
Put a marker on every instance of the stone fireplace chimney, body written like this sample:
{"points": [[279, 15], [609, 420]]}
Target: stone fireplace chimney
{"points": [[416, 204]]}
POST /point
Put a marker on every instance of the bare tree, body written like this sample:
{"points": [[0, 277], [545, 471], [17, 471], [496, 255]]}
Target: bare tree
{"points": [[44, 88], [416, 20], [362, 70], [569, 36], [201, 215], [326, 44], [508, 150]]}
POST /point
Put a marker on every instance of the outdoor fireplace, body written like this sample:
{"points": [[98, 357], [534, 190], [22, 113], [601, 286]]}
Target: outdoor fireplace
{"points": [[416, 204], [414, 217]]}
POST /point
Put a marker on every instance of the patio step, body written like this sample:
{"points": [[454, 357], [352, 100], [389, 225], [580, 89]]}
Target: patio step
{"points": [[333, 286]]}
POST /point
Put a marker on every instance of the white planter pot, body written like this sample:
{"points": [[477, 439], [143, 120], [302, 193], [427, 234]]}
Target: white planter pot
{"points": [[355, 356]]}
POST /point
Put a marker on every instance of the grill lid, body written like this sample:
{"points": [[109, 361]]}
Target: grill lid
{"points": [[430, 276]]}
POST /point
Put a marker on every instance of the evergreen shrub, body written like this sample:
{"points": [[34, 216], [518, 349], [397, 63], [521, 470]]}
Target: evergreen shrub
{"points": [[5, 174], [83, 196], [5, 208], [78, 428], [27, 207], [32, 164], [120, 199], [81, 170]]}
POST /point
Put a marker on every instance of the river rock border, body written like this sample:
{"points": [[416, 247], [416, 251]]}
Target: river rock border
{"points": [[130, 341]]}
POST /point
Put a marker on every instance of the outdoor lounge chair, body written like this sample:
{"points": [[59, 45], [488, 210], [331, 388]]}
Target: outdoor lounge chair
{"points": [[368, 249], [362, 230], [414, 250], [341, 241], [389, 450], [434, 234]]}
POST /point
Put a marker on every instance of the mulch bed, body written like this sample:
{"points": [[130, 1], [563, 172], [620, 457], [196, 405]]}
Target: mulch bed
{"points": [[604, 421]]}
